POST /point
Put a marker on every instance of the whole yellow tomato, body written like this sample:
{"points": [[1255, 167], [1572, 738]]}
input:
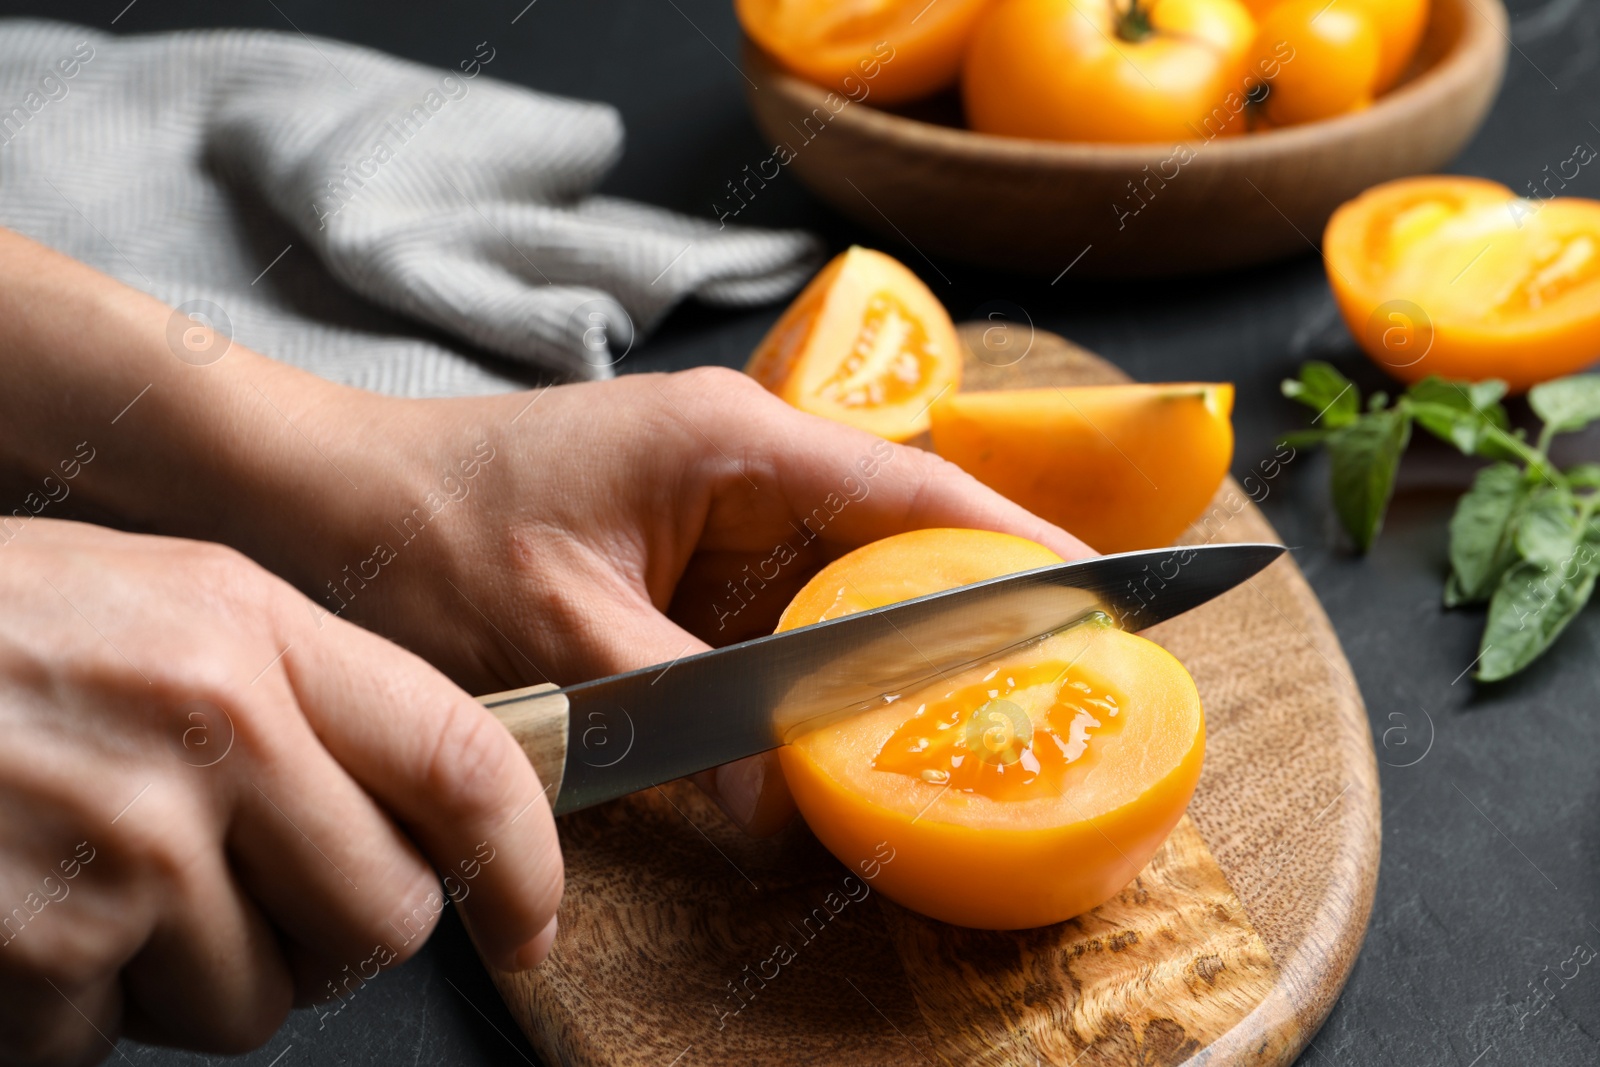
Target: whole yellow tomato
{"points": [[894, 50], [1109, 70], [1320, 59], [1399, 24]]}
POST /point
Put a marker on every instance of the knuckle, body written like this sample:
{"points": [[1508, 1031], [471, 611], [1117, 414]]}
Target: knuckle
{"points": [[718, 379], [473, 764], [163, 848], [721, 390], [70, 955]]}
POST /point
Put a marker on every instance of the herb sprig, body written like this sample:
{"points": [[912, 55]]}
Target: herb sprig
{"points": [[1525, 538]]}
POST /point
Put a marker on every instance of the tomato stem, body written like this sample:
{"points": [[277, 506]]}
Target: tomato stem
{"points": [[1134, 25]]}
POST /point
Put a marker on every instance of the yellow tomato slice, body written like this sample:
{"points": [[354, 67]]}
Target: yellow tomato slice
{"points": [[910, 565], [1017, 793], [886, 51], [1459, 277], [865, 343], [1121, 466]]}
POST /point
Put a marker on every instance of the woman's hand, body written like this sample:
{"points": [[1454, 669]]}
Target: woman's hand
{"points": [[219, 801], [597, 528], [554, 535]]}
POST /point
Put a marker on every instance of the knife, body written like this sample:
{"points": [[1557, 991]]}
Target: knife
{"points": [[603, 739]]}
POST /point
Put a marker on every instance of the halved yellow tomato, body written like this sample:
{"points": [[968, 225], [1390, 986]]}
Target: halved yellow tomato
{"points": [[1462, 278], [1121, 466], [1109, 70], [888, 51], [864, 343], [1018, 793]]}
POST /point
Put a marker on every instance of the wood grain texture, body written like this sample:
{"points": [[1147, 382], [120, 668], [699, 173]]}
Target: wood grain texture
{"points": [[682, 942], [1013, 204], [540, 724]]}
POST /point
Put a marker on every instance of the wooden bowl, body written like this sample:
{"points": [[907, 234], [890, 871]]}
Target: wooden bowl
{"points": [[1046, 206]]}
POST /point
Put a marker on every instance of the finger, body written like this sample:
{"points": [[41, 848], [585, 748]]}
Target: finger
{"points": [[212, 976], [74, 912], [449, 771], [325, 863], [866, 487], [61, 1024], [762, 584], [753, 793], [895, 488]]}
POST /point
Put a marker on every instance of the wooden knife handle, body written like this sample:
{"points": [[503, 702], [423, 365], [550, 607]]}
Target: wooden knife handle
{"points": [[537, 717]]}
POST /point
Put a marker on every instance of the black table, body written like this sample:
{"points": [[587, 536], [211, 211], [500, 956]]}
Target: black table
{"points": [[1491, 838]]}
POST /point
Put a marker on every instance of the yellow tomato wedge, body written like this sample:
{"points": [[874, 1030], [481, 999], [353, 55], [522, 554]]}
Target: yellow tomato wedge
{"points": [[1018, 793], [888, 51], [1460, 277], [1121, 466], [865, 343]]}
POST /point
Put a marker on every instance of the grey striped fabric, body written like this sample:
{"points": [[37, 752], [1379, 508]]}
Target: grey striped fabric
{"points": [[243, 173]]}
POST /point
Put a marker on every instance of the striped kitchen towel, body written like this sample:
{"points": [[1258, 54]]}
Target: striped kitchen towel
{"points": [[232, 173]]}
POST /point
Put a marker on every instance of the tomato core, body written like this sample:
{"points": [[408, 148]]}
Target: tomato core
{"points": [[892, 357], [1135, 25], [1016, 734]]}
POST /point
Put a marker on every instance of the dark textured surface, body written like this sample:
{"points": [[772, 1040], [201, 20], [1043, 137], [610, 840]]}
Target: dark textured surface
{"points": [[1491, 866]]}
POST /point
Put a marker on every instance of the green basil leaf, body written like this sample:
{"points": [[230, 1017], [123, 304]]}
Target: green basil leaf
{"points": [[1322, 388], [1303, 438], [1453, 596], [1479, 396], [1567, 404], [1533, 604], [1481, 544], [1365, 456], [1466, 414], [1549, 528]]}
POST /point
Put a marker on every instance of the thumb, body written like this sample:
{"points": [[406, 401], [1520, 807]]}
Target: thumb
{"points": [[751, 791]]}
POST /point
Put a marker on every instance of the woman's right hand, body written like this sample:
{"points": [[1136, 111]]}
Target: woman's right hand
{"points": [[217, 801]]}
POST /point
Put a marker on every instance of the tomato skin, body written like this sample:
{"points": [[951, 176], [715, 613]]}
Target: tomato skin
{"points": [[1056, 70], [1460, 277], [1090, 459], [1054, 848], [996, 879], [1399, 24], [866, 344], [1332, 64], [889, 51]]}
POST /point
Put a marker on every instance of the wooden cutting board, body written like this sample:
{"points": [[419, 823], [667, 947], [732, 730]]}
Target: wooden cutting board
{"points": [[1229, 948]]}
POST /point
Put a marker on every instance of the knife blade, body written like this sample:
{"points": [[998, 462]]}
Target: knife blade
{"points": [[609, 737]]}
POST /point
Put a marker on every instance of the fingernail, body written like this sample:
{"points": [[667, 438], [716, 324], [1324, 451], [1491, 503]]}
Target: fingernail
{"points": [[739, 788], [534, 952]]}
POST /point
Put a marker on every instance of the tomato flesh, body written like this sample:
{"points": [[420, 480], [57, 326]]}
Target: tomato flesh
{"points": [[1461, 278], [865, 343], [1015, 793]]}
